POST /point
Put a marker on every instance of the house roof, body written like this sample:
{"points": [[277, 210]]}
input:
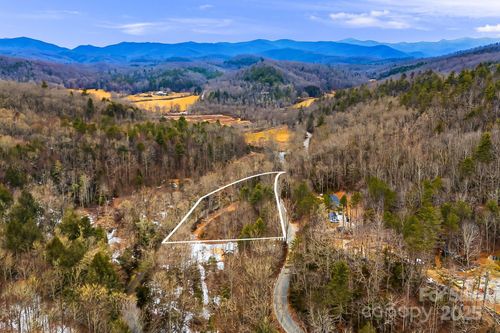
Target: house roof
{"points": [[334, 199], [332, 216]]}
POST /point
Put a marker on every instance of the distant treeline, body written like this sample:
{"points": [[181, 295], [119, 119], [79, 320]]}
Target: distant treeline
{"points": [[91, 150]]}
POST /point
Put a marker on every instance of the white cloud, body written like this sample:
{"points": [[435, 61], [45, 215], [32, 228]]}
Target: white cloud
{"points": [[374, 19], [452, 8], [489, 28], [193, 24], [205, 7], [140, 28]]}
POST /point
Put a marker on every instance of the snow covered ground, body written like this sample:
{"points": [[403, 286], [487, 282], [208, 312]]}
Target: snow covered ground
{"points": [[307, 141], [112, 239], [475, 290], [29, 318], [201, 253]]}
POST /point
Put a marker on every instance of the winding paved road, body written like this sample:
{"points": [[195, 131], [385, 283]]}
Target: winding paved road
{"points": [[280, 305], [280, 294]]}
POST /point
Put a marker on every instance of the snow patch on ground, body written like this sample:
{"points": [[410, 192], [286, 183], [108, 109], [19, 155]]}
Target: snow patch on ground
{"points": [[187, 320], [202, 252], [204, 289], [307, 140], [91, 219], [112, 239], [281, 156], [115, 256], [475, 289], [29, 318]]}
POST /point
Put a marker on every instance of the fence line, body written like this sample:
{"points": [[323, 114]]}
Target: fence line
{"points": [[184, 219], [201, 241]]}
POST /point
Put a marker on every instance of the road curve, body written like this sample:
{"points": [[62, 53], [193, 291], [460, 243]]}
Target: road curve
{"points": [[280, 294], [280, 303]]}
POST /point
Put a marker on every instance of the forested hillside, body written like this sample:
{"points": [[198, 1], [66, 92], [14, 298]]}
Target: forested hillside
{"points": [[239, 81], [175, 75], [445, 64], [61, 151], [421, 155], [276, 84], [91, 150]]}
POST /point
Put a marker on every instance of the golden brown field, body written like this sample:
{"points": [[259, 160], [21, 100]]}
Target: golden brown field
{"points": [[97, 93], [280, 135], [309, 101], [211, 118], [305, 103], [149, 96], [174, 102]]}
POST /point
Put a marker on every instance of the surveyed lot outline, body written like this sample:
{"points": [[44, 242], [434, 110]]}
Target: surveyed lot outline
{"points": [[278, 204]]}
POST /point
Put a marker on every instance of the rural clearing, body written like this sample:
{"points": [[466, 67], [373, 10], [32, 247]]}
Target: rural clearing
{"points": [[174, 102], [280, 135], [278, 203]]}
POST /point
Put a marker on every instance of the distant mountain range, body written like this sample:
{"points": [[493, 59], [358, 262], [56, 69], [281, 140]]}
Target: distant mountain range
{"points": [[444, 64], [126, 52], [429, 49], [185, 74], [345, 51]]}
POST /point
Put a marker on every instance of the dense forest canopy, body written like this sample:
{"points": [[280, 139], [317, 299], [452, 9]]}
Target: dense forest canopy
{"points": [[421, 154], [91, 151]]}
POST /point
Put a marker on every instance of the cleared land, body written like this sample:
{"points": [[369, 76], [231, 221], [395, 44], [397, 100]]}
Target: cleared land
{"points": [[305, 103], [280, 135], [476, 285], [97, 93], [173, 102], [309, 101], [142, 97], [200, 231], [179, 102], [211, 118]]}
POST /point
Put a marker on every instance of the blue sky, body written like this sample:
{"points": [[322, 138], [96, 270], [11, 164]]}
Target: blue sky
{"points": [[72, 23]]}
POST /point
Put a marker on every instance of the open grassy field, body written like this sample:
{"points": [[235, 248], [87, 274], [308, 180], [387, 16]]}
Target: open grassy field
{"points": [[177, 102], [211, 118], [305, 103], [148, 96], [309, 101], [96, 93], [280, 135]]}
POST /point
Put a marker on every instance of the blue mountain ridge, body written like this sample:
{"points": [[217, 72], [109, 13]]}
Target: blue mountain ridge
{"points": [[345, 51]]}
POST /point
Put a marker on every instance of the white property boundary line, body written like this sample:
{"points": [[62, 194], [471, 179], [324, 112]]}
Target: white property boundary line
{"points": [[184, 219], [223, 240]]}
